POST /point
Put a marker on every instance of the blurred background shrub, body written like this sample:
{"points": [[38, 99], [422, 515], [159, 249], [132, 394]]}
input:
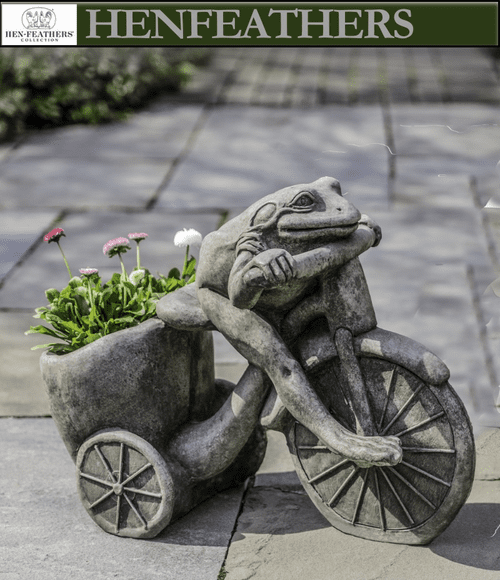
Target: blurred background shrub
{"points": [[47, 87]]}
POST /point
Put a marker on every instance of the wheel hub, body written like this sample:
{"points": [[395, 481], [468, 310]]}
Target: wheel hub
{"points": [[118, 488]]}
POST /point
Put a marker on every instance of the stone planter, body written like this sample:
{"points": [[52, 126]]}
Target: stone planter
{"points": [[122, 403]]}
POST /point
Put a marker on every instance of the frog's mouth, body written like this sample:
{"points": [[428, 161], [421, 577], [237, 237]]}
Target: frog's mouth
{"points": [[314, 232]]}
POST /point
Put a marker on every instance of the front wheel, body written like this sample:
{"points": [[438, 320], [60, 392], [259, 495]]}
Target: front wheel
{"points": [[124, 484], [412, 502]]}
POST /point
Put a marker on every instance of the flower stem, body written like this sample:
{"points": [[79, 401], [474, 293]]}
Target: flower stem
{"points": [[186, 258], [138, 257], [124, 272], [65, 261]]}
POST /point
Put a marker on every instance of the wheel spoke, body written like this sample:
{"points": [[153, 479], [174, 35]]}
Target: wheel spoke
{"points": [[402, 409], [118, 507], [96, 479], [388, 397], [328, 471], [143, 492], [426, 473], [427, 450], [343, 486], [380, 503], [104, 462], [102, 498], [313, 447], [138, 472], [412, 487], [360, 496], [398, 498], [421, 424], [120, 467], [136, 511]]}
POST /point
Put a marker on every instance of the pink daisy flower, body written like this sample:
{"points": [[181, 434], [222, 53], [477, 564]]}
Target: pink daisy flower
{"points": [[54, 235], [116, 246], [137, 237], [88, 271]]}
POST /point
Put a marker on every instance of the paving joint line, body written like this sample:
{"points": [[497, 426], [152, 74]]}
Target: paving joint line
{"points": [[195, 132], [483, 333], [385, 105], [490, 241], [249, 484]]}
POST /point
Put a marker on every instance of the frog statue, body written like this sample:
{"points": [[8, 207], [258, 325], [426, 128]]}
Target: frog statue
{"points": [[262, 315]]}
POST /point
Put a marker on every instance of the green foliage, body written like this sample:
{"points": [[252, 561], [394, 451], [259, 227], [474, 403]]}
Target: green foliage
{"points": [[47, 87], [87, 310]]}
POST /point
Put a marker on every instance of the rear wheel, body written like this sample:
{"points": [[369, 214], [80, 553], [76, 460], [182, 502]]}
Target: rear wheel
{"points": [[412, 502]]}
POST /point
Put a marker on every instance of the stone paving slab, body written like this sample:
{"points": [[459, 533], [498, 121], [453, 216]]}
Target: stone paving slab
{"points": [[115, 165], [22, 393], [47, 534], [19, 230], [157, 132], [460, 132], [244, 153], [61, 183]]}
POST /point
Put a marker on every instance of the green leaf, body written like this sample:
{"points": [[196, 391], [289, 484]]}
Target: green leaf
{"points": [[174, 273], [52, 294], [54, 346], [40, 329]]}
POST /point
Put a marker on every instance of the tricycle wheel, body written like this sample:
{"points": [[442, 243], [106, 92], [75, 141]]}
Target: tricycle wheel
{"points": [[124, 484], [412, 502]]}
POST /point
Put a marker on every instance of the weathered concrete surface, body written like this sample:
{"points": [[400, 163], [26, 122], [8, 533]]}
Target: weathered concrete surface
{"points": [[117, 165], [245, 153], [281, 535], [47, 534]]}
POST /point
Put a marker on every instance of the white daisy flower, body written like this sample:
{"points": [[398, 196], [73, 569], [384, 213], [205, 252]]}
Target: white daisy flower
{"points": [[188, 237]]}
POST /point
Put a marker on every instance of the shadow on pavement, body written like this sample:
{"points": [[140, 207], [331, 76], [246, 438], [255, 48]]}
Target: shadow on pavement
{"points": [[473, 538]]}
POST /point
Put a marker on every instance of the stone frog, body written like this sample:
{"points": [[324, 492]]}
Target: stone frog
{"points": [[253, 289]]}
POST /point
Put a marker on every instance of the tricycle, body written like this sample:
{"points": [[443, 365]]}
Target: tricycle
{"points": [[379, 439]]}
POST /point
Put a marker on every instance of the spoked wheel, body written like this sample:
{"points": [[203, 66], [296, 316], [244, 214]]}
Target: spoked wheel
{"points": [[412, 502], [124, 484]]}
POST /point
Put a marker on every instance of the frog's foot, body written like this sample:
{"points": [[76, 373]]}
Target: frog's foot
{"points": [[369, 451]]}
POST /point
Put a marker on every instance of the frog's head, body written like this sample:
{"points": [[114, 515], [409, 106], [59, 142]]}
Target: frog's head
{"points": [[308, 212]]}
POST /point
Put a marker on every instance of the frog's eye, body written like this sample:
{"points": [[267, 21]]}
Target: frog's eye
{"points": [[303, 200]]}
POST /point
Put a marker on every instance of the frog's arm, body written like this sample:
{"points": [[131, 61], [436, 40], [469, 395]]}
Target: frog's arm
{"points": [[247, 280], [333, 255]]}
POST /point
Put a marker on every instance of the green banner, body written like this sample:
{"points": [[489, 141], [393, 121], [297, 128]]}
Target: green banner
{"points": [[288, 24]]}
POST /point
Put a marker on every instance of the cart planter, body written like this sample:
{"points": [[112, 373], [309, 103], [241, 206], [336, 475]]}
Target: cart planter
{"points": [[125, 405]]}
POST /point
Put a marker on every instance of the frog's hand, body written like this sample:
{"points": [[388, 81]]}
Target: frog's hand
{"points": [[182, 310]]}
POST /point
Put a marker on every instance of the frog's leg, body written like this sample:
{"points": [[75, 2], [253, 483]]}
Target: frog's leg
{"points": [[262, 346]]}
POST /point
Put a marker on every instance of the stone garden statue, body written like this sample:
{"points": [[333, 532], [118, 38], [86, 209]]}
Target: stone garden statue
{"points": [[379, 439]]}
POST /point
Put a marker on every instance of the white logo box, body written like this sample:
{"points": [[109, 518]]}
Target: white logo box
{"points": [[38, 24]]}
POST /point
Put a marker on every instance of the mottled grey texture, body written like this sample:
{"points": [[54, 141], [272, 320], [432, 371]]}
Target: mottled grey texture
{"points": [[151, 389]]}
